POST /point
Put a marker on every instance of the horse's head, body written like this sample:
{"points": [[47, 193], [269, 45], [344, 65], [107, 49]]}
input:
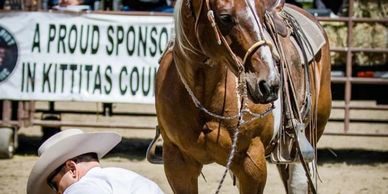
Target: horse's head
{"points": [[236, 37]]}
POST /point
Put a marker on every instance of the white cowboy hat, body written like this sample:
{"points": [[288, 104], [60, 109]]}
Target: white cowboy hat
{"points": [[63, 146]]}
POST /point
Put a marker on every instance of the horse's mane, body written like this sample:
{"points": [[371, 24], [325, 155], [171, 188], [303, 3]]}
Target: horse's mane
{"points": [[185, 46]]}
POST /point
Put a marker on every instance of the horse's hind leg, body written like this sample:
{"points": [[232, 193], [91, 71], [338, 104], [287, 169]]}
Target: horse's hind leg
{"points": [[283, 171], [251, 171], [182, 171]]}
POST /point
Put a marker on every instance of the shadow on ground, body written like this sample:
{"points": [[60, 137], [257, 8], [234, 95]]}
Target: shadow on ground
{"points": [[135, 149], [352, 156], [130, 148]]}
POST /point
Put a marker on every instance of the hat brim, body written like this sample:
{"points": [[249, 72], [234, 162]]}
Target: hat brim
{"points": [[70, 147]]}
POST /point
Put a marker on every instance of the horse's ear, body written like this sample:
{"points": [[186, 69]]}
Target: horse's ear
{"points": [[273, 8]]}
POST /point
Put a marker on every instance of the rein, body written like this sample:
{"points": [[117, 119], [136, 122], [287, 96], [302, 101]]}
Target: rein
{"points": [[243, 110]]}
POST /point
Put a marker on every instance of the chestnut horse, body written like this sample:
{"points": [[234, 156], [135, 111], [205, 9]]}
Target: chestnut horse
{"points": [[220, 94]]}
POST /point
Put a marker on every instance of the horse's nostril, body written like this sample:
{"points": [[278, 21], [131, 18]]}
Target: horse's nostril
{"points": [[264, 88]]}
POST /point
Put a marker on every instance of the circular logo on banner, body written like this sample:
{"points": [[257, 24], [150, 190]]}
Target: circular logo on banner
{"points": [[8, 53]]}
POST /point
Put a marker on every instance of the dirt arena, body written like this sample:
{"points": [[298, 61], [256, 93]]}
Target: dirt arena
{"points": [[347, 165]]}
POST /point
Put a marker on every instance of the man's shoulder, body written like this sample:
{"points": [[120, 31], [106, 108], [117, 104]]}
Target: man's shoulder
{"points": [[113, 180], [118, 171], [136, 183]]}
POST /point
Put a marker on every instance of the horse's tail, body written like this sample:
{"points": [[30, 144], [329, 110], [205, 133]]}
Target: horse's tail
{"points": [[152, 157]]}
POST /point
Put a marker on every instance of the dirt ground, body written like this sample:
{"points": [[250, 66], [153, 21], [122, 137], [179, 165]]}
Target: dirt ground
{"points": [[347, 165]]}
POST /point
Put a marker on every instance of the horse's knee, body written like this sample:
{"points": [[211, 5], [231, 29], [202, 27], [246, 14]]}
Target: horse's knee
{"points": [[297, 181], [255, 160], [252, 169]]}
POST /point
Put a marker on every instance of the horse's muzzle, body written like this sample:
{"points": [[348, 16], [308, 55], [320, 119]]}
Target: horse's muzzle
{"points": [[263, 91]]}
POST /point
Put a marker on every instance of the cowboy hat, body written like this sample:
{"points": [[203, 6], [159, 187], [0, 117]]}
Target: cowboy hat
{"points": [[63, 146]]}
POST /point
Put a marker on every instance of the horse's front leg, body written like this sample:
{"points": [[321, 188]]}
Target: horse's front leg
{"points": [[251, 170], [248, 166], [181, 170]]}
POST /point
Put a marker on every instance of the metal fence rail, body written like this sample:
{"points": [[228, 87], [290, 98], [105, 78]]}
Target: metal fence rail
{"points": [[348, 79]]}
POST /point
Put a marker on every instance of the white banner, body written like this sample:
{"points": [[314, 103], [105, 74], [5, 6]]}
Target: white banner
{"points": [[81, 57]]}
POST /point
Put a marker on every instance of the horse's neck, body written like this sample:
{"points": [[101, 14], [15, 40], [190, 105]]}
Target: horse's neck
{"points": [[188, 56], [205, 80], [208, 80]]}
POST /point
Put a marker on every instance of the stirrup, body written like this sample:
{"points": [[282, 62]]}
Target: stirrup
{"points": [[305, 148], [281, 153], [284, 151], [152, 156]]}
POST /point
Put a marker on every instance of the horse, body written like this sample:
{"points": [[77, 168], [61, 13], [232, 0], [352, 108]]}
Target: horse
{"points": [[221, 93]]}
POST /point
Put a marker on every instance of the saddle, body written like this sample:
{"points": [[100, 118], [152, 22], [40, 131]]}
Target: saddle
{"points": [[282, 20], [282, 15]]}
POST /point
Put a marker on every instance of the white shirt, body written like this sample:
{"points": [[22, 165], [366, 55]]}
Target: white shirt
{"points": [[113, 181]]}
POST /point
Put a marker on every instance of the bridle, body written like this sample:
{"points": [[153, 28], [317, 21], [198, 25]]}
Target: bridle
{"points": [[221, 40]]}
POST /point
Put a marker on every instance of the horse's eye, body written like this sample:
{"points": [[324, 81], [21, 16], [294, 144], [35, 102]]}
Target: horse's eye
{"points": [[226, 19], [226, 23]]}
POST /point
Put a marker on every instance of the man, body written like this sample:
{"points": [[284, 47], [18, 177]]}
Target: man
{"points": [[69, 163]]}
